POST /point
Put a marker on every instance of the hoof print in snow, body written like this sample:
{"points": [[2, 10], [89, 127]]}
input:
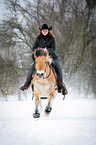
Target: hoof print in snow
{"points": [[36, 115]]}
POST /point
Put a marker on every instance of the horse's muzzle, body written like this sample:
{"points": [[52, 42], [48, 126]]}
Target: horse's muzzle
{"points": [[40, 74]]}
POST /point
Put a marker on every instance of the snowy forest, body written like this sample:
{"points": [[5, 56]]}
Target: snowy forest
{"points": [[72, 121], [74, 28]]}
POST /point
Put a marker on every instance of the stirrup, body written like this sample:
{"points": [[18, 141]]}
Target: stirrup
{"points": [[64, 92]]}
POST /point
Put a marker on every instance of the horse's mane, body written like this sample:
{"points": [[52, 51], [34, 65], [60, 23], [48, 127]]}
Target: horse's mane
{"points": [[49, 59], [41, 52]]}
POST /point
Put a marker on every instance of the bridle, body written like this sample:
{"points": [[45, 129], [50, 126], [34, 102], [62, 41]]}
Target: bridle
{"points": [[47, 64]]}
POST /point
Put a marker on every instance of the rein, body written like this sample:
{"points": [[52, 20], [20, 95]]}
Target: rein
{"points": [[49, 72]]}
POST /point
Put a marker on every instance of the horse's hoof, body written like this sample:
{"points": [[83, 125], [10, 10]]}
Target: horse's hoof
{"points": [[48, 110], [36, 115], [47, 115]]}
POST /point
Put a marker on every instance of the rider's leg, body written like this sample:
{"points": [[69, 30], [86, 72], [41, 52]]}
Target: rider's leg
{"points": [[58, 69], [60, 84], [29, 78]]}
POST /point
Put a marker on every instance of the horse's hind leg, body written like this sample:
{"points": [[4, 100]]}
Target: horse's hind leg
{"points": [[36, 114]]}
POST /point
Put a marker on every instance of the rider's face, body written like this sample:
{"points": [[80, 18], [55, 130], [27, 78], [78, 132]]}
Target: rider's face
{"points": [[45, 32]]}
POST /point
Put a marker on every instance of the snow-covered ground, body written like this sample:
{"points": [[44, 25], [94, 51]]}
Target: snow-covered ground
{"points": [[71, 122]]}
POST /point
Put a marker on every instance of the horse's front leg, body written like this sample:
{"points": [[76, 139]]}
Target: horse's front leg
{"points": [[48, 107], [36, 114]]}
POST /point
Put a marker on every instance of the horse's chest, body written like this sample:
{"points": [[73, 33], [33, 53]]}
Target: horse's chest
{"points": [[43, 87]]}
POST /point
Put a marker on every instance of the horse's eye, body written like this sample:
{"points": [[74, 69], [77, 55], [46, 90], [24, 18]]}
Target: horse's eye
{"points": [[45, 62]]}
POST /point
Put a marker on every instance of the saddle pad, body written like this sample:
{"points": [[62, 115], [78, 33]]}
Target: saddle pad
{"points": [[43, 87]]}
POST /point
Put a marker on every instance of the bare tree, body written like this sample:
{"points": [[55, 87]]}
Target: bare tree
{"points": [[74, 28]]}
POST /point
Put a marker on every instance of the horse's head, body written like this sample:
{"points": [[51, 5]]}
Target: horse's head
{"points": [[41, 65]]}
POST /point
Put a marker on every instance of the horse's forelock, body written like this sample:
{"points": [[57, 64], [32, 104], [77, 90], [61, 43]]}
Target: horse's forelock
{"points": [[47, 59]]}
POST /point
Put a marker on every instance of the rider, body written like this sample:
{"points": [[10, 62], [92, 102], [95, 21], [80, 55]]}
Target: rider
{"points": [[45, 39]]}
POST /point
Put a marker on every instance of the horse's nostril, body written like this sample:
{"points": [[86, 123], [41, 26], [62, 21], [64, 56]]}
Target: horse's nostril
{"points": [[37, 74], [42, 74]]}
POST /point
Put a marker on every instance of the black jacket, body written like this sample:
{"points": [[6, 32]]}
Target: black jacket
{"points": [[46, 42]]}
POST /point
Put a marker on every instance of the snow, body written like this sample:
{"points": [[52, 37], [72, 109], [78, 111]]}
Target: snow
{"points": [[71, 122]]}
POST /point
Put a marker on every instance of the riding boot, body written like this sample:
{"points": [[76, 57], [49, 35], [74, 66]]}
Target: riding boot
{"points": [[61, 86], [29, 78]]}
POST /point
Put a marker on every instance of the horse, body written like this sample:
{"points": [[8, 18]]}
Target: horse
{"points": [[44, 81]]}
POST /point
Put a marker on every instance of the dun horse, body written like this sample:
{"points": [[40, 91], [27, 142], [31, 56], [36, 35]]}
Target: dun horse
{"points": [[44, 81]]}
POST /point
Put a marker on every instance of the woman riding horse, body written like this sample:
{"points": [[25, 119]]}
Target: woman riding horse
{"points": [[45, 39]]}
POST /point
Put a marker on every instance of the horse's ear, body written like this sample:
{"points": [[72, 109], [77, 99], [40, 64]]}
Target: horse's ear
{"points": [[49, 59], [46, 52], [34, 53]]}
